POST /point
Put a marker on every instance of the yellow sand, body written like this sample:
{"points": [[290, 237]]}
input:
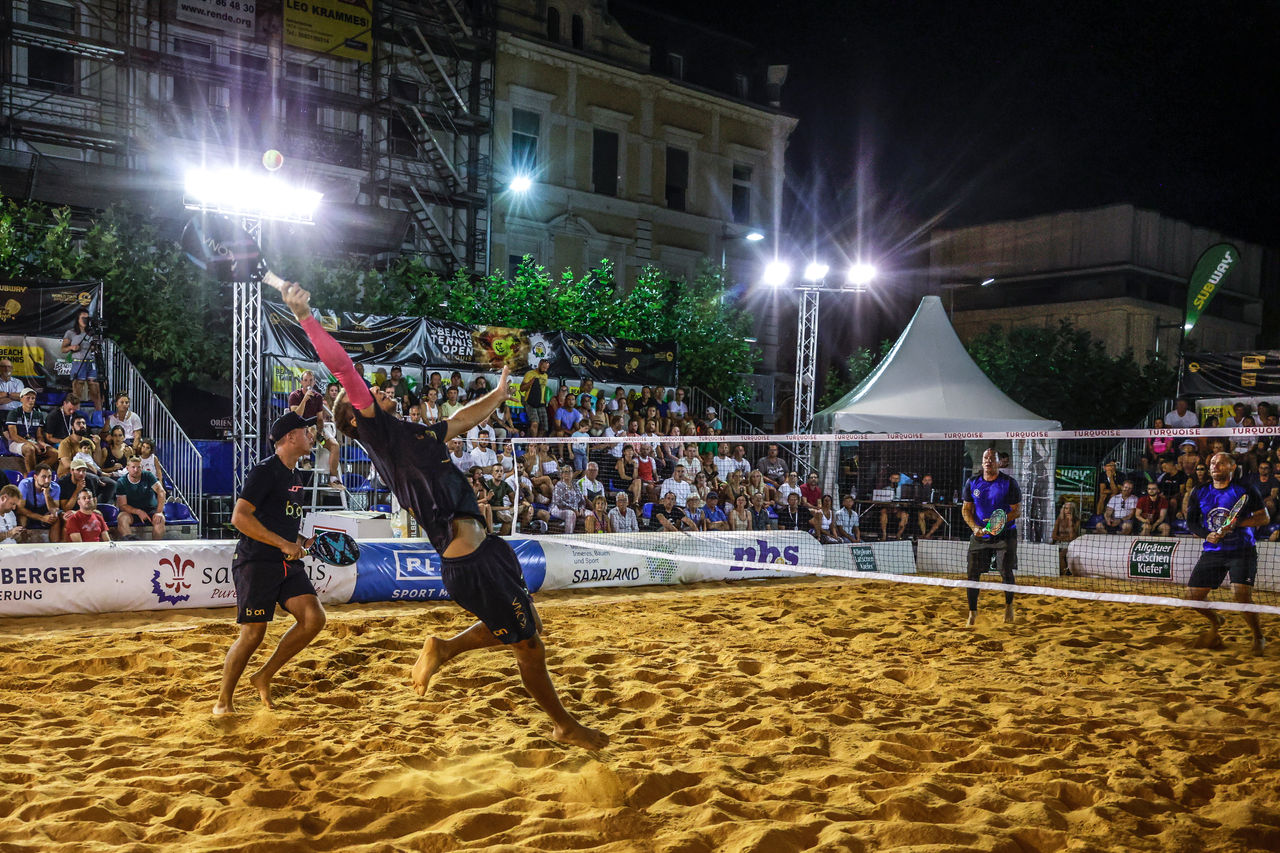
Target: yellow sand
{"points": [[814, 714]]}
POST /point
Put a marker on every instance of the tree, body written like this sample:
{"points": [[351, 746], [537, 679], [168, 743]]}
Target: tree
{"points": [[1066, 375], [857, 367]]}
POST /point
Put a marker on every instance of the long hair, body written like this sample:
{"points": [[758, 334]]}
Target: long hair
{"points": [[343, 415]]}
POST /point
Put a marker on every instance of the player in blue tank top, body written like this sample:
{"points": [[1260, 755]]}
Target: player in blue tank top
{"points": [[985, 493], [1228, 548]]}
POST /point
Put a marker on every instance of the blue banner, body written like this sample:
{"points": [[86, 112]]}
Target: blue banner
{"points": [[410, 571]]}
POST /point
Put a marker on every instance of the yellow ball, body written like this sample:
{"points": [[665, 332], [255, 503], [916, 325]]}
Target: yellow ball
{"points": [[272, 160]]}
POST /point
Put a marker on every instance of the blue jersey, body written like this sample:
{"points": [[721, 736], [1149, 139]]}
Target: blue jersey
{"points": [[1209, 506], [987, 496]]}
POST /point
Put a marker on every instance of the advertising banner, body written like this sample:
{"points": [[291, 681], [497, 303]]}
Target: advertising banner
{"points": [[1127, 557], [1250, 373], [365, 337], [458, 346], [409, 569], [609, 359], [40, 580], [233, 17], [335, 27], [33, 318], [1215, 264]]}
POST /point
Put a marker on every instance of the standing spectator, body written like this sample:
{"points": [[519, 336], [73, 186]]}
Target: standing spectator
{"points": [[622, 518], [10, 499], [78, 347], [39, 508], [140, 499], [677, 409], [1118, 516], [847, 521], [646, 473], [1181, 416], [534, 392], [1152, 512], [10, 387], [122, 417], [772, 467], [85, 523], [25, 430], [400, 387], [566, 501], [501, 424]]}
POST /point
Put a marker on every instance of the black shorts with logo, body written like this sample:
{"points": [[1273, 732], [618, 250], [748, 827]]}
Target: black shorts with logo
{"points": [[1213, 566], [262, 584], [488, 583]]}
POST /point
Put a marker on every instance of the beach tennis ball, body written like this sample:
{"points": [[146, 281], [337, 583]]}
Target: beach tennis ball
{"points": [[272, 160]]}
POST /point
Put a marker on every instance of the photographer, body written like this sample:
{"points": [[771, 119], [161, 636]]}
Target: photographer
{"points": [[80, 347]]}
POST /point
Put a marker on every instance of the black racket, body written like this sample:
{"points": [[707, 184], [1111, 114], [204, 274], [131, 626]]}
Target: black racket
{"points": [[225, 251], [335, 548]]}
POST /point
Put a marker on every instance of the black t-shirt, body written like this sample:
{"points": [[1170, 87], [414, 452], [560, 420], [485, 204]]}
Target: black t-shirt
{"points": [[1263, 489], [799, 520], [413, 461], [58, 425], [276, 495], [673, 515], [1171, 484]]}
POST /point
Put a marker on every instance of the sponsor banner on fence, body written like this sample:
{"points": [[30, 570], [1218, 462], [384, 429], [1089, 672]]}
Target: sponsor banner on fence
{"points": [[1129, 558], [409, 569], [1152, 559], [40, 580]]}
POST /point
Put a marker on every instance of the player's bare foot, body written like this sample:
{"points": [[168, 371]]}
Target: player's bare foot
{"points": [[262, 684], [1259, 644], [1008, 613], [430, 659], [973, 619], [221, 709], [577, 734], [1210, 639]]}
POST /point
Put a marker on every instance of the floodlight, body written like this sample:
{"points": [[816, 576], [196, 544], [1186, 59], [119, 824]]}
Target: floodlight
{"points": [[520, 184], [238, 193], [776, 273], [753, 236], [987, 281], [816, 271], [860, 275]]}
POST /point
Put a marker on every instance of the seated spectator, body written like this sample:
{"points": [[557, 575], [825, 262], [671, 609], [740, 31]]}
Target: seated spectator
{"points": [[10, 499], [734, 488], [10, 387], [567, 415], [85, 523], [822, 522], [1172, 481], [1067, 526], [761, 518], [80, 478], [596, 518], [713, 515], [790, 486], [1108, 485], [617, 404], [740, 517], [700, 486], [1242, 445], [740, 460], [147, 456], [1181, 416], [39, 507], [712, 420], [400, 388], [567, 502], [890, 509], [722, 463], [140, 500], [668, 516], [590, 484], [599, 418], [756, 484], [86, 457], [622, 518], [772, 466], [677, 409], [429, 408], [501, 424], [115, 455], [307, 399], [60, 422], [1118, 517], [811, 492], [642, 402], [73, 444], [793, 516], [127, 420], [676, 484], [847, 521], [693, 512], [1188, 456], [690, 462], [929, 519], [25, 432], [1239, 412], [482, 455], [1267, 486], [460, 458], [451, 405], [626, 476], [1152, 513]]}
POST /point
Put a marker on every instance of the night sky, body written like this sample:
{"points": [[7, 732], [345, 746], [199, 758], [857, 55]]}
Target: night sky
{"points": [[960, 112]]}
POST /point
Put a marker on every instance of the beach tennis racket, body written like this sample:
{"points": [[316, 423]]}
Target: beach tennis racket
{"points": [[225, 251], [995, 523], [1232, 515], [334, 548]]}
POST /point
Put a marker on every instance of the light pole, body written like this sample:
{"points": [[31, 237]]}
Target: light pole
{"points": [[752, 235], [953, 285]]}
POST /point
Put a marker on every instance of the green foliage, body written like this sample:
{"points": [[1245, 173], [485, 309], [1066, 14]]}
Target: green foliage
{"points": [[856, 368], [1065, 374]]}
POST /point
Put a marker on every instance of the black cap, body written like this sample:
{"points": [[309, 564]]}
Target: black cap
{"points": [[288, 423]]}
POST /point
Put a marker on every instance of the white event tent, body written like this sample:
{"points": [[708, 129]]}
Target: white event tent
{"points": [[928, 383]]}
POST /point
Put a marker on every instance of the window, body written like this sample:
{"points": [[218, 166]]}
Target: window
{"points": [[579, 38], [524, 141], [404, 90], [300, 111], [248, 61], [401, 141], [51, 70], [301, 71], [52, 15], [677, 177], [193, 48], [513, 264], [741, 193], [741, 85], [604, 162], [675, 65], [553, 24]]}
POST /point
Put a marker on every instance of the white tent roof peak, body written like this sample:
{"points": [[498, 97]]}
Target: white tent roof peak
{"points": [[927, 383]]}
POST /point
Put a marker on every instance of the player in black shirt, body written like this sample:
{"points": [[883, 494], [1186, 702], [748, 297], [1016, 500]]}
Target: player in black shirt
{"points": [[267, 565], [480, 570]]}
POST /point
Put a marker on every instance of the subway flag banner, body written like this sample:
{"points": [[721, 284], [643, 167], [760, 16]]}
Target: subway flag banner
{"points": [[1215, 264], [335, 27]]}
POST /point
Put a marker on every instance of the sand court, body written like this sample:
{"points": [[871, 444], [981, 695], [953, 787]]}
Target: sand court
{"points": [[810, 714]]}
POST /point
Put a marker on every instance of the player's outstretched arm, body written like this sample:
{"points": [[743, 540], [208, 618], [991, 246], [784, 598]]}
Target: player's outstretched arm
{"points": [[478, 412], [334, 357]]}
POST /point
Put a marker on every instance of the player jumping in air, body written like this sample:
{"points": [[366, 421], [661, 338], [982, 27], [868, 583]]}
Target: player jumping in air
{"points": [[479, 570]]}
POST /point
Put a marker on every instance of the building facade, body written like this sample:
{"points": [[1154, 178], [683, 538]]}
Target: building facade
{"points": [[1118, 272]]}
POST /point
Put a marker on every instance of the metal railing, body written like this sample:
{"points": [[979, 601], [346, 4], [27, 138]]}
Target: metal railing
{"points": [[182, 462], [797, 456]]}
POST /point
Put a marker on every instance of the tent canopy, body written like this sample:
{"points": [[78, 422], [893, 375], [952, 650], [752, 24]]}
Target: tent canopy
{"points": [[928, 383]]}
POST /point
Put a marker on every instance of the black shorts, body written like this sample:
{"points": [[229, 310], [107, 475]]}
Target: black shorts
{"points": [[1213, 566], [262, 584], [488, 583], [1001, 550]]}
